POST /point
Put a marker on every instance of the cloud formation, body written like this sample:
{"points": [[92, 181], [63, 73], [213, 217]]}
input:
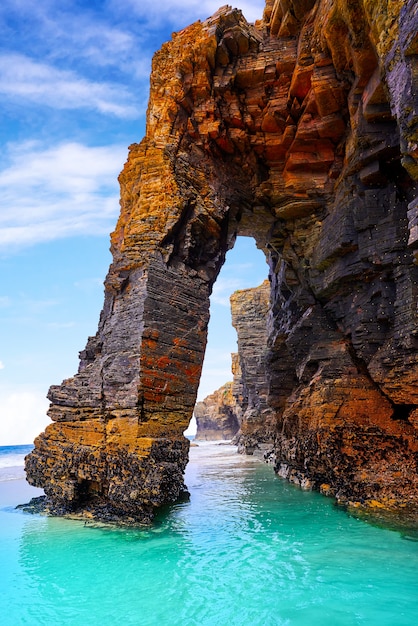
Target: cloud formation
{"points": [[26, 80], [238, 276], [68, 62], [65, 190], [223, 288], [23, 416]]}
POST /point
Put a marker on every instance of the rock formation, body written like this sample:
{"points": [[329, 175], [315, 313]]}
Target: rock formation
{"points": [[302, 132], [249, 309], [243, 403], [216, 415]]}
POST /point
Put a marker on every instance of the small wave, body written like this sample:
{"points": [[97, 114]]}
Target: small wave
{"points": [[13, 456], [12, 461]]}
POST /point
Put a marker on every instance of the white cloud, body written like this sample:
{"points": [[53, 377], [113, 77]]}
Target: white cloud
{"points": [[224, 287], [100, 45], [112, 38], [69, 166], [23, 79], [1, 365], [96, 41], [50, 193], [22, 416]]}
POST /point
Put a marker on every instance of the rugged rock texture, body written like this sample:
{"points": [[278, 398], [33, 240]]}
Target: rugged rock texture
{"points": [[217, 415], [301, 131], [245, 400], [249, 309]]}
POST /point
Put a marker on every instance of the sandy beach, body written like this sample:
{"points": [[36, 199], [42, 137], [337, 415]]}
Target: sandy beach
{"points": [[17, 491]]}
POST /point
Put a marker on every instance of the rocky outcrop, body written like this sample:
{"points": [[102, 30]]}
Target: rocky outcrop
{"points": [[249, 309], [217, 415], [302, 132], [244, 402]]}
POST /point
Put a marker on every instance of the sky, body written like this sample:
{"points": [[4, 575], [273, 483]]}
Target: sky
{"points": [[74, 79]]}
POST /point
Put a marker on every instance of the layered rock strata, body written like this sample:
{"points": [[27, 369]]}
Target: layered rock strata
{"points": [[249, 308], [244, 402], [217, 416], [300, 131]]}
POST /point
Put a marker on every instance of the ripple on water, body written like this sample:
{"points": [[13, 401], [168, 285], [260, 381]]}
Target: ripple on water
{"points": [[247, 550]]}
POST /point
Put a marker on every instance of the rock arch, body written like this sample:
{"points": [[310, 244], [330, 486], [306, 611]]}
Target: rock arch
{"points": [[288, 132]]}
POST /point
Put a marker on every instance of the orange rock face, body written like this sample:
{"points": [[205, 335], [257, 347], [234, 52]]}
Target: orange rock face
{"points": [[300, 131], [218, 415]]}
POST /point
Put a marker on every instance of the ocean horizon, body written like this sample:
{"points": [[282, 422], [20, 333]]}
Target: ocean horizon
{"points": [[248, 549], [12, 460]]}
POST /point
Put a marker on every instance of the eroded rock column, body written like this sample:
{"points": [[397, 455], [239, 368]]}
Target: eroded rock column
{"points": [[116, 444]]}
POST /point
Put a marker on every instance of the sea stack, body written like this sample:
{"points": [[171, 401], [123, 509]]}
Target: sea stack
{"points": [[301, 131]]}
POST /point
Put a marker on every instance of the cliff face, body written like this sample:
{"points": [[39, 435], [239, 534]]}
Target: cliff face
{"points": [[249, 308], [217, 416], [302, 132], [245, 401]]}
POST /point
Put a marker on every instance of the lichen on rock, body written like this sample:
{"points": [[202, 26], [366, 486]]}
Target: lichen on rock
{"points": [[301, 131]]}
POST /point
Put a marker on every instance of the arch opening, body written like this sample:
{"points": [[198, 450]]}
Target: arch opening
{"points": [[220, 398]]}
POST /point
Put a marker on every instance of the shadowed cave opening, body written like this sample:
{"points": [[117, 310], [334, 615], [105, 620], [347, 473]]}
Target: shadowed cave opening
{"points": [[88, 490], [244, 268]]}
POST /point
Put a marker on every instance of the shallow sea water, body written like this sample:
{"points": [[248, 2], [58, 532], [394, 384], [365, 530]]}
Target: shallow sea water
{"points": [[249, 549]]}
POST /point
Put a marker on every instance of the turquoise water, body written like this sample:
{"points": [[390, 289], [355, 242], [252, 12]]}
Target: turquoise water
{"points": [[248, 550]]}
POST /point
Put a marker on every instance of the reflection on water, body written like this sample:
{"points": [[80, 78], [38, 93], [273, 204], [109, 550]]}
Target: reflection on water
{"points": [[248, 549]]}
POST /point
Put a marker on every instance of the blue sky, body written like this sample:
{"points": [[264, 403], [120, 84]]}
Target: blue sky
{"points": [[74, 81]]}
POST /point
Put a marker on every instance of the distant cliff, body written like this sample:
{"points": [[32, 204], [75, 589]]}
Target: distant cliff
{"points": [[300, 131], [216, 416], [245, 400]]}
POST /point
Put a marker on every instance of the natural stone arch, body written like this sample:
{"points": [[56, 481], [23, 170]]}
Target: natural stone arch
{"points": [[119, 421], [255, 130]]}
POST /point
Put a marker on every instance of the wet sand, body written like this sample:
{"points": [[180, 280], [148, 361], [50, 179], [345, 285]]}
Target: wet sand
{"points": [[17, 491]]}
